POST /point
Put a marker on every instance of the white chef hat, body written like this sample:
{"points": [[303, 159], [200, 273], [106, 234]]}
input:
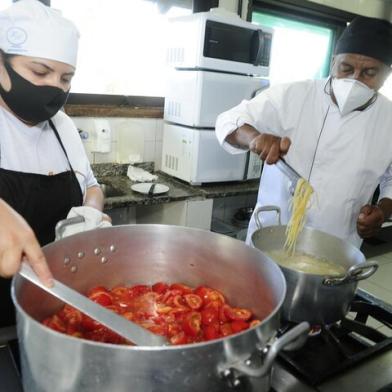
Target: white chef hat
{"points": [[30, 28]]}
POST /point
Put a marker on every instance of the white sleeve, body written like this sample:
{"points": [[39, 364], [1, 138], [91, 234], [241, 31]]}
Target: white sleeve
{"points": [[90, 177], [386, 184], [76, 152], [264, 113]]}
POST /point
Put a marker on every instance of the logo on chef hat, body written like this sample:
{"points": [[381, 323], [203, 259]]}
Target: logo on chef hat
{"points": [[16, 36]]}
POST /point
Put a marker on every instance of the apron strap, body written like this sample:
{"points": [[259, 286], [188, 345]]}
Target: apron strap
{"points": [[61, 143]]}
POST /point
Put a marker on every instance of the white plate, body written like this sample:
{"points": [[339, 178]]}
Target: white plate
{"points": [[144, 187]]}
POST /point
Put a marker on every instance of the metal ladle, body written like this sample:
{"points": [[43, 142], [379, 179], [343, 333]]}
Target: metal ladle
{"points": [[118, 324]]}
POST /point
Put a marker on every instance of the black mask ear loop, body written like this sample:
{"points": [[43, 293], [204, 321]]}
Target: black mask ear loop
{"points": [[322, 128]]}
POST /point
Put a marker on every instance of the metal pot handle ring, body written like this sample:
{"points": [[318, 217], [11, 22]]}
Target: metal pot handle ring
{"points": [[261, 209], [61, 225], [293, 338], [354, 274]]}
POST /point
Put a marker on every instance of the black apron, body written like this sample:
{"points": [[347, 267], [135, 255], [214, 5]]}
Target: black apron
{"points": [[42, 201]]}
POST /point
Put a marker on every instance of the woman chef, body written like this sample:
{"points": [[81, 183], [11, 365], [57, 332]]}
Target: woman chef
{"points": [[44, 171]]}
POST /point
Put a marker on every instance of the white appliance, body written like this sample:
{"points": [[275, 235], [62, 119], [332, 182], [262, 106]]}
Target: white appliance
{"points": [[221, 41], [195, 98], [215, 56], [195, 156]]}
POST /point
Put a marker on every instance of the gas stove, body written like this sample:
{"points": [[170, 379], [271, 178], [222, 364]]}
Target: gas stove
{"points": [[349, 356], [345, 357]]}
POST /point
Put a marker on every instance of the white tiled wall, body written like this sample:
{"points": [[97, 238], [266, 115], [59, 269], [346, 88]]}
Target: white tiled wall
{"points": [[130, 136]]}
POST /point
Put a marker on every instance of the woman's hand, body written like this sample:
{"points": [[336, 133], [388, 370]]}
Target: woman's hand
{"points": [[269, 147], [369, 221], [17, 241]]}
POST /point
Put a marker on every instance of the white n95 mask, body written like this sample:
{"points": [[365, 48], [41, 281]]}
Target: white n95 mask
{"points": [[351, 94]]}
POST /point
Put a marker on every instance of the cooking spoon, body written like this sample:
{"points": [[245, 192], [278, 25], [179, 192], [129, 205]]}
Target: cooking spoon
{"points": [[118, 324]]}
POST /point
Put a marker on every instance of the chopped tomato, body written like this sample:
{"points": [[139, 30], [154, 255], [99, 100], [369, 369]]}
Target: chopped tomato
{"points": [[202, 291], [238, 313], [178, 312], [98, 289], [193, 301], [160, 287], [55, 323], [192, 323], [182, 288], [178, 301], [138, 290], [120, 291], [173, 329], [163, 309], [212, 331], [89, 324], [158, 329], [239, 325], [215, 296], [222, 314], [225, 329], [70, 315], [209, 316], [102, 298], [180, 338]]}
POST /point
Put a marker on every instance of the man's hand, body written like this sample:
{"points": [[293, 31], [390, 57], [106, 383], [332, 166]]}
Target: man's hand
{"points": [[269, 147], [17, 241], [369, 221]]}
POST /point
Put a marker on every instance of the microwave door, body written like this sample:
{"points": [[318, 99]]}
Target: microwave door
{"points": [[228, 42]]}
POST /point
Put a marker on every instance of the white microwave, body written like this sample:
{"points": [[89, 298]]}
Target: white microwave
{"points": [[195, 98], [219, 40], [195, 156]]}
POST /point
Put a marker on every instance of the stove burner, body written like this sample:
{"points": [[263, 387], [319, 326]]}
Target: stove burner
{"points": [[340, 346]]}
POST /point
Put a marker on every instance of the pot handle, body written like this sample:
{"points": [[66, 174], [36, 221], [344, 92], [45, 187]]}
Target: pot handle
{"points": [[61, 225], [292, 339], [264, 209], [354, 274]]}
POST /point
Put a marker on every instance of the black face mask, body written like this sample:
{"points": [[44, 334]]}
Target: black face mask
{"points": [[29, 102]]}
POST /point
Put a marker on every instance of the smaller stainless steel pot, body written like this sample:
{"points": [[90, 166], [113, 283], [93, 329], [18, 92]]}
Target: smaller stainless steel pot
{"points": [[315, 298]]}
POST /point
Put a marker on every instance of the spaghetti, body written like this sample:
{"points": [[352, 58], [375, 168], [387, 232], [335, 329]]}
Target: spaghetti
{"points": [[299, 205]]}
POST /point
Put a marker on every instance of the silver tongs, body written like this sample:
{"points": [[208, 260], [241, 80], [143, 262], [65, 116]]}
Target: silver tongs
{"points": [[288, 171]]}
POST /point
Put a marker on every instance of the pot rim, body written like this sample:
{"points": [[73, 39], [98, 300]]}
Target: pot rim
{"points": [[321, 277], [270, 228], [271, 316]]}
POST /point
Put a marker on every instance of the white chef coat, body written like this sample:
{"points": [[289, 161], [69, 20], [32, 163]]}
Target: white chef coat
{"points": [[353, 156], [37, 150]]}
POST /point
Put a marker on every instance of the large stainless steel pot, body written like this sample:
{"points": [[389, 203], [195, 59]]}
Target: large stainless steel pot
{"points": [[315, 298], [148, 253]]}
